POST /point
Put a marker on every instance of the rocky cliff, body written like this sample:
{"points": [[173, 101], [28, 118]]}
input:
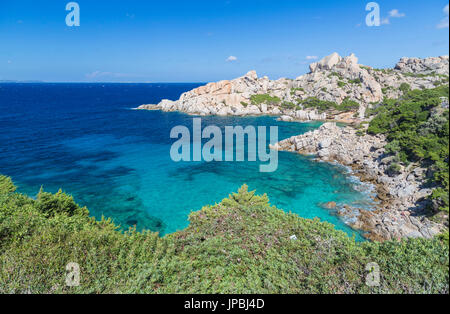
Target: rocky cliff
{"points": [[402, 198], [334, 79], [330, 92]]}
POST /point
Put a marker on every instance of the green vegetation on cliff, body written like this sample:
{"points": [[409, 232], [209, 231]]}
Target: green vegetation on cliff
{"points": [[264, 99], [324, 105], [241, 245], [417, 128]]}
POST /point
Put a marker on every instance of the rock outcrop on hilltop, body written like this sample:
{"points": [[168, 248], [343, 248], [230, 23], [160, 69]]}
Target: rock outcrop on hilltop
{"points": [[332, 80], [335, 79], [227, 97], [401, 211], [430, 65]]}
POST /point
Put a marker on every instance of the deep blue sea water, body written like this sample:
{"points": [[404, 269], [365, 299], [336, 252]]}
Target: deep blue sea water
{"points": [[86, 139]]}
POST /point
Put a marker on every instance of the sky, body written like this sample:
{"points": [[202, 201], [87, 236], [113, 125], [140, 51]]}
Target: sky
{"points": [[208, 40]]}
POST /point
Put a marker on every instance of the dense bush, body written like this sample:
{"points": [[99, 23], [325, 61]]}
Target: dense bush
{"points": [[347, 105], [355, 81], [417, 128], [289, 105], [405, 87], [324, 105], [52, 204], [241, 245], [341, 84], [320, 105]]}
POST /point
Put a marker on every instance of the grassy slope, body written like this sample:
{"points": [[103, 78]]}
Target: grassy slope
{"points": [[241, 245]]}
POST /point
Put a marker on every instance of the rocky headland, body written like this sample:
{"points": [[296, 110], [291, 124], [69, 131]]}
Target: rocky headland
{"points": [[339, 89]]}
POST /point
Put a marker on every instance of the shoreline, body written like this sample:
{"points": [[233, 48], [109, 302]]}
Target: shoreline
{"points": [[278, 117], [394, 217]]}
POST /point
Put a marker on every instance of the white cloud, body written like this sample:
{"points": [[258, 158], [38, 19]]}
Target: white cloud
{"points": [[396, 13], [444, 21], [312, 57], [231, 59], [385, 21]]}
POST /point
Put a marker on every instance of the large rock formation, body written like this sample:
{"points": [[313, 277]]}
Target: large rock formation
{"points": [[332, 79], [335, 79], [438, 65], [326, 63], [227, 97]]}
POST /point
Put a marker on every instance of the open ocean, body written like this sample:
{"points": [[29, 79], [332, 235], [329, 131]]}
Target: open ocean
{"points": [[87, 140]]}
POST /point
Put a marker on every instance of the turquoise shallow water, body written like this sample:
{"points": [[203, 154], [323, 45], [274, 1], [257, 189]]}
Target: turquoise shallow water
{"points": [[85, 139]]}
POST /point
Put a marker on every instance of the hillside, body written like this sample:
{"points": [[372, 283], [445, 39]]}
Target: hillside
{"points": [[242, 245]]}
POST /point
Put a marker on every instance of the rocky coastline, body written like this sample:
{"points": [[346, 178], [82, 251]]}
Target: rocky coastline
{"points": [[334, 79], [402, 198]]}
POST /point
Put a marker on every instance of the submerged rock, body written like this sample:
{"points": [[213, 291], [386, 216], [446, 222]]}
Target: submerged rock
{"points": [[330, 205]]}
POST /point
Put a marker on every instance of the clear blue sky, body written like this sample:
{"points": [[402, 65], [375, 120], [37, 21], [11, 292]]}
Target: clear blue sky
{"points": [[190, 41]]}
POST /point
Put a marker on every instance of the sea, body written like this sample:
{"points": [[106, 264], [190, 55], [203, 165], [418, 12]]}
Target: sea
{"points": [[89, 141]]}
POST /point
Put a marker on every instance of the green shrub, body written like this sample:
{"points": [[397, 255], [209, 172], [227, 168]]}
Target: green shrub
{"points": [[405, 87], [264, 99], [320, 105], [347, 105], [394, 168], [324, 105], [341, 84], [422, 75], [241, 245], [288, 105], [6, 185], [355, 81], [59, 203], [393, 147]]}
